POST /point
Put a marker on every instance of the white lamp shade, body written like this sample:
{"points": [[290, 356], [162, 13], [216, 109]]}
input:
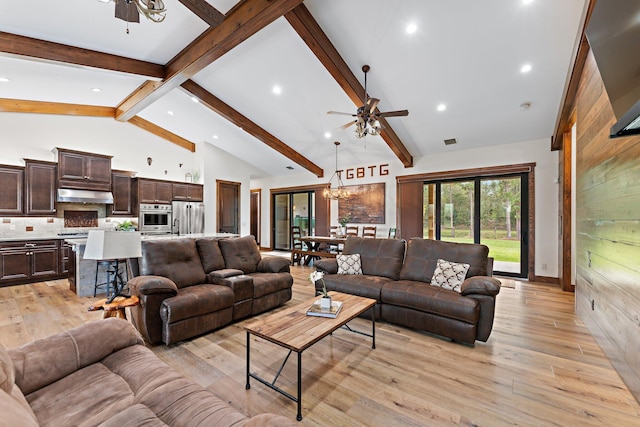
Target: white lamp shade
{"points": [[113, 245]]}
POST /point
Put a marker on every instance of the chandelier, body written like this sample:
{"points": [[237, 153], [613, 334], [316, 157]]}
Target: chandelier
{"points": [[340, 191], [130, 10]]}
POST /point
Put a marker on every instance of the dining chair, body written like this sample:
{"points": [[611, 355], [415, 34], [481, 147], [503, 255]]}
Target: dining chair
{"points": [[333, 231], [353, 230], [296, 245], [369, 231]]}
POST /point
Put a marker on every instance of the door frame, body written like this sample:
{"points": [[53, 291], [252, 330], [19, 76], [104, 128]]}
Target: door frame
{"points": [[219, 204], [257, 193]]}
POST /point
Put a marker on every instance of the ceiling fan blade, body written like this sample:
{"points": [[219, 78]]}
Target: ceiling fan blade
{"points": [[372, 104], [352, 122], [127, 11], [393, 113], [341, 114]]}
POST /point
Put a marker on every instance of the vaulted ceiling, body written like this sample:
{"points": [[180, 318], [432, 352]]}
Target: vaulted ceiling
{"points": [[465, 54]]}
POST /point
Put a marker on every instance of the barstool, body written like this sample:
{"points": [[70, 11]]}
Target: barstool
{"points": [[106, 265]]}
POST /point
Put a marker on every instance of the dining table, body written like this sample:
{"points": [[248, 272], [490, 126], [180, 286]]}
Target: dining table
{"points": [[320, 247]]}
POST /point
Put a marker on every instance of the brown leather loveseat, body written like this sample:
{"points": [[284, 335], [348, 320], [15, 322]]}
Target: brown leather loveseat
{"points": [[397, 275], [101, 374], [191, 286]]}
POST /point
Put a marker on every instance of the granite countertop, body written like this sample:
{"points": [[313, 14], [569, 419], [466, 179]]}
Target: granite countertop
{"points": [[83, 240], [19, 238]]}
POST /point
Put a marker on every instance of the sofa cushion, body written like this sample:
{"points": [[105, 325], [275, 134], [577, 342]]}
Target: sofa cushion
{"points": [[15, 413], [136, 415], [268, 283], [195, 301], [349, 264], [177, 260], [356, 284], [449, 275], [241, 253], [422, 256], [379, 257], [431, 299], [210, 254]]}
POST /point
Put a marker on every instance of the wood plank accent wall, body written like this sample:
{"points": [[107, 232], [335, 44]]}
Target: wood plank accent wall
{"points": [[608, 228]]}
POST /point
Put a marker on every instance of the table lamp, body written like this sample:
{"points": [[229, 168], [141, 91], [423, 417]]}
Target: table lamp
{"points": [[113, 245]]}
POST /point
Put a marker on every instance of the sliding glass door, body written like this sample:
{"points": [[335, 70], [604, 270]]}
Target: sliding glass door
{"points": [[292, 209], [487, 210]]}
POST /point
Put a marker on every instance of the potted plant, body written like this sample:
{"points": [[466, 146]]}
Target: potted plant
{"points": [[343, 223], [126, 226], [325, 300]]}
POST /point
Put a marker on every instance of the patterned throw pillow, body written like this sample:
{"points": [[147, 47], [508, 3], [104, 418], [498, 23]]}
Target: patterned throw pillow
{"points": [[349, 264], [449, 275]]}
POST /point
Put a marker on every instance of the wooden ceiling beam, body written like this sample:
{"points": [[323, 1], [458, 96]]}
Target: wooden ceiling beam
{"points": [[162, 133], [309, 30], [220, 107], [41, 107], [209, 14], [245, 19], [60, 53]]}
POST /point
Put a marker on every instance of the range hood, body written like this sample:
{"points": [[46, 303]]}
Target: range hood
{"points": [[84, 196]]}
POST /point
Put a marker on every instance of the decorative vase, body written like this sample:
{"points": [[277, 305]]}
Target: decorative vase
{"points": [[325, 303], [342, 231]]}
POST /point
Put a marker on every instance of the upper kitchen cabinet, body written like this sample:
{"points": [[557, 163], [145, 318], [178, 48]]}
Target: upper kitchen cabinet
{"points": [[40, 188], [122, 189], [11, 190], [83, 171], [188, 192], [152, 191]]}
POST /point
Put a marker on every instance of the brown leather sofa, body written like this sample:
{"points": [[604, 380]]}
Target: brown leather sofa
{"points": [[189, 286], [101, 374], [399, 280]]}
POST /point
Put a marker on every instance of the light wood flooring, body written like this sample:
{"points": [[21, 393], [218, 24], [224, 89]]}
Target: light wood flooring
{"points": [[540, 366]]}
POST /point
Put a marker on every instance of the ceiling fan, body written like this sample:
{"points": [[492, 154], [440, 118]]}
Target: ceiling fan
{"points": [[367, 116], [130, 10]]}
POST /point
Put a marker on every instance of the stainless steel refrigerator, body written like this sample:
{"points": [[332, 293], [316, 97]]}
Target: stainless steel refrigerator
{"points": [[188, 217]]}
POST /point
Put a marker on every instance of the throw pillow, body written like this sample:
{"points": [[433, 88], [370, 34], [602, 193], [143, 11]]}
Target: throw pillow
{"points": [[449, 274], [349, 264]]}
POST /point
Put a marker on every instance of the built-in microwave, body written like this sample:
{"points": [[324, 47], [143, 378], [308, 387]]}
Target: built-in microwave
{"points": [[155, 218]]}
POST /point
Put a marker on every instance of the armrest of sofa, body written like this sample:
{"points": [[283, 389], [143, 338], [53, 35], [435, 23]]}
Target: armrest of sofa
{"points": [[326, 265], [42, 362], [151, 290], [480, 285], [273, 264]]}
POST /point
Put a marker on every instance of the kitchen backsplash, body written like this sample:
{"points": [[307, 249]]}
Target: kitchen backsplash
{"points": [[12, 227]]}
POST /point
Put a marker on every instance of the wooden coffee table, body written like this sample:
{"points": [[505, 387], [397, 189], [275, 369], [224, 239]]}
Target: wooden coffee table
{"points": [[291, 328]]}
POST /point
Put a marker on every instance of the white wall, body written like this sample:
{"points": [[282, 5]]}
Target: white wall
{"points": [[546, 191]]}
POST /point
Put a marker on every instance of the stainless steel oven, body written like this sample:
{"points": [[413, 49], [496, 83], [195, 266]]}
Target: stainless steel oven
{"points": [[155, 218]]}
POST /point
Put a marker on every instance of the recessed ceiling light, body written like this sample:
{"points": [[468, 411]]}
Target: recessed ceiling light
{"points": [[104, 1], [170, 113], [525, 68], [526, 1], [215, 136], [4, 79], [525, 105], [194, 99], [412, 28], [290, 168], [327, 134], [277, 90], [441, 107], [96, 89]]}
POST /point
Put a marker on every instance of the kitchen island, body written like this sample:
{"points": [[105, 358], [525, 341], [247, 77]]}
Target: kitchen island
{"points": [[82, 273]]}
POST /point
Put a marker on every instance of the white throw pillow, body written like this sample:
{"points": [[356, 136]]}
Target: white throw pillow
{"points": [[449, 275], [349, 264]]}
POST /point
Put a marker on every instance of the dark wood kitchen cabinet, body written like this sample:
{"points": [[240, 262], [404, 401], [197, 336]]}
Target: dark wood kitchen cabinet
{"points": [[188, 192], [122, 189], [28, 260], [152, 191], [40, 188], [66, 257], [11, 190], [83, 171]]}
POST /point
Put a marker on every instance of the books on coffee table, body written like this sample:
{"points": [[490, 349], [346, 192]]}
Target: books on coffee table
{"points": [[316, 310]]}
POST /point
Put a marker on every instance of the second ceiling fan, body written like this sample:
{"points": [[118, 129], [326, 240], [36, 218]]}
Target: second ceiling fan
{"points": [[367, 116]]}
